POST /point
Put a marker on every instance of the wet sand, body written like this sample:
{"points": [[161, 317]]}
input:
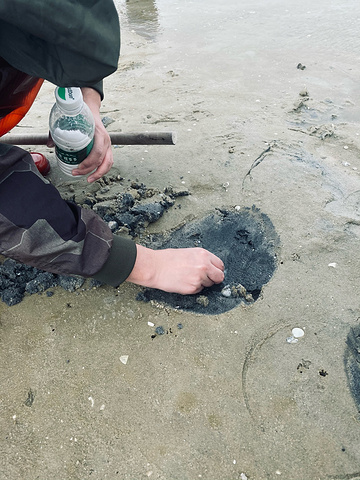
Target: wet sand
{"points": [[264, 100]]}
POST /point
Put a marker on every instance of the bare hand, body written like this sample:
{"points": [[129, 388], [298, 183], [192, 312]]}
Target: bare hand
{"points": [[100, 158], [183, 270]]}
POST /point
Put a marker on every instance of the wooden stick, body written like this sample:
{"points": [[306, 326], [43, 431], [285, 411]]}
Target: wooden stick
{"points": [[147, 138]]}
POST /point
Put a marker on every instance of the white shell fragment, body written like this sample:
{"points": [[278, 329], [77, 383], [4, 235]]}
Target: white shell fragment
{"points": [[297, 332], [333, 265], [151, 324], [243, 476], [124, 359], [226, 291]]}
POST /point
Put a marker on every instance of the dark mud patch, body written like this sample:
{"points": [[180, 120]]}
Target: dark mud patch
{"points": [[247, 243], [127, 209], [352, 363], [18, 280]]}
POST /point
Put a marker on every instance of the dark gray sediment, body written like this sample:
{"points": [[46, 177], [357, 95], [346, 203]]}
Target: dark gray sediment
{"points": [[17, 280], [247, 243]]}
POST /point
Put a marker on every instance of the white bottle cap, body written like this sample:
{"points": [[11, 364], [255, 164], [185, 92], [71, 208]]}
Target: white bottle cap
{"points": [[69, 99]]}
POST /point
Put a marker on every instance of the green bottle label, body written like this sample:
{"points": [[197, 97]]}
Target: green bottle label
{"points": [[74, 158]]}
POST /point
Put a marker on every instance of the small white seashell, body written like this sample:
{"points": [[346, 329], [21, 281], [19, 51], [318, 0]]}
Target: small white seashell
{"points": [[112, 225], [124, 359], [333, 265], [243, 476], [297, 332], [226, 291], [151, 324], [292, 339]]}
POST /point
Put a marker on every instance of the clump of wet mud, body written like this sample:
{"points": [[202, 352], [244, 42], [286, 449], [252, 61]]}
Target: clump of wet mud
{"points": [[126, 209], [17, 280], [247, 243]]}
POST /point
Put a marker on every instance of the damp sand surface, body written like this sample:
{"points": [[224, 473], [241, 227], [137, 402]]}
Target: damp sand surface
{"points": [[264, 100]]}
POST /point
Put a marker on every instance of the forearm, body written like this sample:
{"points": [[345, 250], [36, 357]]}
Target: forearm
{"points": [[98, 87], [92, 98], [144, 267]]}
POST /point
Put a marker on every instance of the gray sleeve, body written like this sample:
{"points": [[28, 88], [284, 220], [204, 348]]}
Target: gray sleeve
{"points": [[39, 228]]}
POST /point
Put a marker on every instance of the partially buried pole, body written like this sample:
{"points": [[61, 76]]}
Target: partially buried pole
{"points": [[147, 138]]}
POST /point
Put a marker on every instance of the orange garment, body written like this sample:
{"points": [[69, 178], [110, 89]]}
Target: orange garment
{"points": [[18, 91]]}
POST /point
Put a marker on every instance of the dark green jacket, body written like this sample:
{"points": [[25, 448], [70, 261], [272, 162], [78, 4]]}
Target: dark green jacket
{"points": [[67, 42]]}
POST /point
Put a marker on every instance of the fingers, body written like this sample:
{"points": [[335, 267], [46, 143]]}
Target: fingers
{"points": [[212, 273], [216, 274], [100, 159], [217, 262], [214, 270], [207, 282], [94, 162], [101, 170]]}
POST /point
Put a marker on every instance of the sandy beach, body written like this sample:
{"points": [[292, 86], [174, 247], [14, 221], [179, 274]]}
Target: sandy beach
{"points": [[264, 99]]}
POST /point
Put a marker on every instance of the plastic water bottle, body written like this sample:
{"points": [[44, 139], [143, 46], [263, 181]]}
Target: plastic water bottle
{"points": [[72, 128]]}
